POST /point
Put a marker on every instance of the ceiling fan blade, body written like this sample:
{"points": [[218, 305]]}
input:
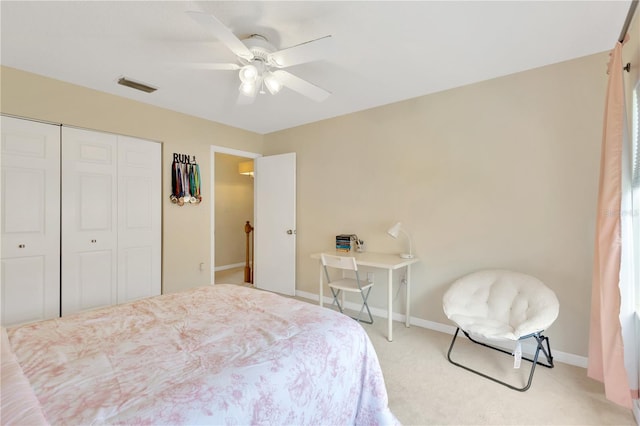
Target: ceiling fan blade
{"points": [[301, 86], [213, 66], [301, 53], [222, 33]]}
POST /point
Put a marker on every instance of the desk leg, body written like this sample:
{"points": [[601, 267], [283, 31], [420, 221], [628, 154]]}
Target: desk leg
{"points": [[321, 285], [408, 304], [390, 305]]}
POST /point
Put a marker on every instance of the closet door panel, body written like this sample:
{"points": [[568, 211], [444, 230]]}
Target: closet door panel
{"points": [[96, 276], [22, 188], [24, 290], [30, 240], [139, 218], [137, 275], [89, 218]]}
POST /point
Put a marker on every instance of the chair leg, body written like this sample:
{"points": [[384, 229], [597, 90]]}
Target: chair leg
{"points": [[336, 294], [540, 339], [365, 305]]}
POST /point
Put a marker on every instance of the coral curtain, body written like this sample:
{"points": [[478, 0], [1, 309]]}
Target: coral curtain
{"points": [[606, 350]]}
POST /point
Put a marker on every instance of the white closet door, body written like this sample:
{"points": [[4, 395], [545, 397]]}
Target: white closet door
{"points": [[89, 214], [139, 218], [30, 221]]}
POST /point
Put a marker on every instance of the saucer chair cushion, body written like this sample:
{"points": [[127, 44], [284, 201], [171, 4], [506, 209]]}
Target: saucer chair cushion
{"points": [[500, 304]]}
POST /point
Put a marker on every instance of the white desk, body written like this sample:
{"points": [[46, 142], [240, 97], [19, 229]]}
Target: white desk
{"points": [[390, 262]]}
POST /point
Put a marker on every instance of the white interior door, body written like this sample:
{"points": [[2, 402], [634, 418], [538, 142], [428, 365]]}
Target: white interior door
{"points": [[275, 223], [30, 221], [89, 213], [139, 218]]}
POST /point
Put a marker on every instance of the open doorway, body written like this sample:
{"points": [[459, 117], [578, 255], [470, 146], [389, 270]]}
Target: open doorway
{"points": [[233, 205]]}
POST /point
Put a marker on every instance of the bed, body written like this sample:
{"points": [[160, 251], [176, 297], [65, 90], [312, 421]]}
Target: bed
{"points": [[219, 354]]}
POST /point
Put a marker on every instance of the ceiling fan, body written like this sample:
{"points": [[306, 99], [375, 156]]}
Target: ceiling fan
{"points": [[260, 64]]}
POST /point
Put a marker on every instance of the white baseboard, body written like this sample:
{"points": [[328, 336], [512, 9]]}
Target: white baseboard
{"points": [[225, 267], [564, 357]]}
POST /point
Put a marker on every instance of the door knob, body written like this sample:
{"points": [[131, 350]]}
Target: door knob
{"points": [[21, 246], [291, 231], [93, 241]]}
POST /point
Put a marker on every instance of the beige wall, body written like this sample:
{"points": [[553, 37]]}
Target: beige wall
{"points": [[499, 174], [186, 230], [234, 206]]}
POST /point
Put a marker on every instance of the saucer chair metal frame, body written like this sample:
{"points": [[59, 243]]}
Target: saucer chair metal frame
{"points": [[540, 339]]}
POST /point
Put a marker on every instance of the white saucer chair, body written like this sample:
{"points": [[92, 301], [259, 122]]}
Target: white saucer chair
{"points": [[502, 306]]}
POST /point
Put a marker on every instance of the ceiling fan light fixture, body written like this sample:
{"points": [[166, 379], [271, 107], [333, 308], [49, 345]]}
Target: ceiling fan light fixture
{"points": [[248, 74], [248, 89], [272, 83], [259, 61]]}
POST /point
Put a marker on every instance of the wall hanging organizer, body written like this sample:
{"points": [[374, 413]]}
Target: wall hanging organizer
{"points": [[185, 180]]}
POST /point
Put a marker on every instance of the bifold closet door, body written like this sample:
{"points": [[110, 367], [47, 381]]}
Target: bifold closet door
{"points": [[89, 220], [30, 221], [139, 218], [111, 219]]}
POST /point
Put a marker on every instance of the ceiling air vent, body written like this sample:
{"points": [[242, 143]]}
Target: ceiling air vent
{"points": [[135, 85]]}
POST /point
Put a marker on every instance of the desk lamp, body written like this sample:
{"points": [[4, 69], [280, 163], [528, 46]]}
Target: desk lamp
{"points": [[394, 231]]}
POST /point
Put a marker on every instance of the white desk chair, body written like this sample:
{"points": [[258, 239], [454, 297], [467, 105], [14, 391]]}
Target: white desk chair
{"points": [[340, 285], [499, 305]]}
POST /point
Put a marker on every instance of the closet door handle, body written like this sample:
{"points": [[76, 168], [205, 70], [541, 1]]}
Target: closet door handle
{"points": [[21, 245], [94, 241]]}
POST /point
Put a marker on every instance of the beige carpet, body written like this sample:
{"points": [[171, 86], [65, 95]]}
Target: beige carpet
{"points": [[425, 389]]}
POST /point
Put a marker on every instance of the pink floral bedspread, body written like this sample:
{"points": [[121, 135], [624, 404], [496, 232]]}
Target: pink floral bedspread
{"points": [[219, 354]]}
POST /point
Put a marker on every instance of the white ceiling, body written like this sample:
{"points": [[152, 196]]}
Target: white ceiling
{"points": [[384, 51]]}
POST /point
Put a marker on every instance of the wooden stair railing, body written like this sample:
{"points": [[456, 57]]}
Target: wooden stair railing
{"points": [[248, 268]]}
